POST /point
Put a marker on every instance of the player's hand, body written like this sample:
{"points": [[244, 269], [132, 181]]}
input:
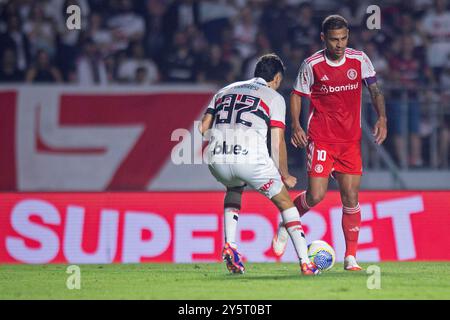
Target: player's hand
{"points": [[290, 181], [380, 131], [299, 138]]}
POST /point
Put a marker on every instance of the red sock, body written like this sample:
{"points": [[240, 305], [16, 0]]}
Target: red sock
{"points": [[301, 204], [351, 221]]}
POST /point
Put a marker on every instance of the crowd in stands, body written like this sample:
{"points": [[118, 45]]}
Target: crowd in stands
{"points": [[146, 42]]}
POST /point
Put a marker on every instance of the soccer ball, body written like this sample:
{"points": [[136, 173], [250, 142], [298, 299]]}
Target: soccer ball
{"points": [[322, 254]]}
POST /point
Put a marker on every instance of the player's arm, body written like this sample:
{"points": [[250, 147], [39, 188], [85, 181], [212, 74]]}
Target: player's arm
{"points": [[302, 87], [279, 155], [380, 128], [369, 76], [206, 123], [299, 138], [208, 117]]}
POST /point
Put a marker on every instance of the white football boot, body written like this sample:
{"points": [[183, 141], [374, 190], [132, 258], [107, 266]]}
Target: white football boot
{"points": [[280, 240], [350, 264]]}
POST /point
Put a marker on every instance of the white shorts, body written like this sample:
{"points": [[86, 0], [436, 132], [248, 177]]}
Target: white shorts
{"points": [[263, 177]]}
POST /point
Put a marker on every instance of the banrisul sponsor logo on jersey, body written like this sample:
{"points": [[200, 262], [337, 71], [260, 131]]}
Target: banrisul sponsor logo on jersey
{"points": [[332, 89]]}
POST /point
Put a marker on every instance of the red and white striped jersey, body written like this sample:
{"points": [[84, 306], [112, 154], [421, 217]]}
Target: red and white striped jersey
{"points": [[334, 90]]}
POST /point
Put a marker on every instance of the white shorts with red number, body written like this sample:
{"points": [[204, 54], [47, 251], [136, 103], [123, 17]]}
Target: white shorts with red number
{"points": [[263, 177]]}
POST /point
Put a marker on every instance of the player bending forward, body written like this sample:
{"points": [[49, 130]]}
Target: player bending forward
{"points": [[332, 79], [238, 119]]}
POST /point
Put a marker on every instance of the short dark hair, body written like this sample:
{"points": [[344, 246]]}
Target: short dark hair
{"points": [[268, 66], [333, 22]]}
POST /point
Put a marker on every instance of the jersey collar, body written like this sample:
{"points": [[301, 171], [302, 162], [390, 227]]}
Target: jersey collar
{"points": [[261, 81], [331, 63]]}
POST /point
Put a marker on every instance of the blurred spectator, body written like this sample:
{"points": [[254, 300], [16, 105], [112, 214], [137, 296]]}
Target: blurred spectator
{"points": [[421, 5], [354, 12], [262, 47], [275, 23], [91, 68], [180, 15], [410, 72], [303, 30], [444, 141], [68, 39], [22, 8], [126, 25], [229, 52], [292, 57], [136, 67], [245, 31], [436, 25], [99, 34], [40, 31], [9, 72], [197, 42], [216, 69], [180, 63], [156, 36], [15, 38], [215, 16], [408, 26], [43, 71], [379, 62], [141, 76], [445, 79]]}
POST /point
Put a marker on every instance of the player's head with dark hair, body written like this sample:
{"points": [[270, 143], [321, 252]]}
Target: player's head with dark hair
{"points": [[335, 35], [334, 22], [270, 67]]}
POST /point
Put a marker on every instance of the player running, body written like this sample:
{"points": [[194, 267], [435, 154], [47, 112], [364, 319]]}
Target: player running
{"points": [[332, 79], [238, 119]]}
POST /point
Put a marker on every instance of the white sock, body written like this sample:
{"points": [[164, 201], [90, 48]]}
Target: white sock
{"points": [[291, 219], [231, 216]]}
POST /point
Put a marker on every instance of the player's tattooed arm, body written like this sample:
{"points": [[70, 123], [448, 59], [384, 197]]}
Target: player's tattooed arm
{"points": [[380, 128], [375, 91]]}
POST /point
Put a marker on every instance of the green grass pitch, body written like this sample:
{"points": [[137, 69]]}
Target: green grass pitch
{"points": [[399, 280]]}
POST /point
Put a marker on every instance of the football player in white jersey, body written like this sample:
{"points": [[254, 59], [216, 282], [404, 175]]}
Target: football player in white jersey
{"points": [[237, 121]]}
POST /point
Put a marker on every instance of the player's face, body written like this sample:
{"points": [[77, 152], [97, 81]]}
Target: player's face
{"points": [[336, 41]]}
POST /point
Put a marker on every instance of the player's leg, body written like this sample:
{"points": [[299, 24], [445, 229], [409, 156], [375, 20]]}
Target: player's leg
{"points": [[317, 188], [266, 179], [293, 226], [319, 167], [348, 175], [232, 206], [351, 216]]}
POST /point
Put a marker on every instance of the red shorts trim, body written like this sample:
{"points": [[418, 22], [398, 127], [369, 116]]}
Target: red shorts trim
{"points": [[325, 158]]}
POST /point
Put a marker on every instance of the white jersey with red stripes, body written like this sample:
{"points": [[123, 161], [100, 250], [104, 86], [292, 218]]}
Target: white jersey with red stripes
{"points": [[334, 90], [243, 113]]}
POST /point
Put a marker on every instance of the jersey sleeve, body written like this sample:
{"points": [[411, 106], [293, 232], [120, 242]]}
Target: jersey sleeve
{"points": [[368, 73], [304, 81], [211, 108], [278, 113]]}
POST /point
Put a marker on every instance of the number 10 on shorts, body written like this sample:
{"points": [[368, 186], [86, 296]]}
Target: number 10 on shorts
{"points": [[321, 155]]}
